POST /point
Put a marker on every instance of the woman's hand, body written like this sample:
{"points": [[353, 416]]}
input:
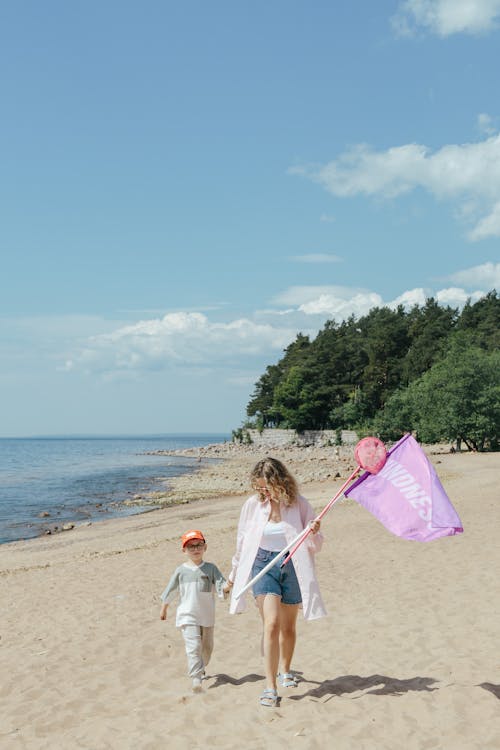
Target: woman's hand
{"points": [[315, 525]]}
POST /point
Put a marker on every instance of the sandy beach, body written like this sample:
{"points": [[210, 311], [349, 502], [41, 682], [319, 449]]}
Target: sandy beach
{"points": [[407, 657]]}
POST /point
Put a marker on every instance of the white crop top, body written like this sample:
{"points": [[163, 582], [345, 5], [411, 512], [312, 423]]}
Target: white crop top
{"points": [[273, 537]]}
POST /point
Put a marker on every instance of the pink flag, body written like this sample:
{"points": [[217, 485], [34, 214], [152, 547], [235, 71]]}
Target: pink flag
{"points": [[407, 496]]}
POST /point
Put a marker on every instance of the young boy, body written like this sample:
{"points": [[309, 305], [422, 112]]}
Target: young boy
{"points": [[196, 581]]}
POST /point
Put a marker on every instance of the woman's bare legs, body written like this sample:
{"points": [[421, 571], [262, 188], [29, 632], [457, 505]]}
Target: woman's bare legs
{"points": [[279, 634], [269, 607], [288, 634]]}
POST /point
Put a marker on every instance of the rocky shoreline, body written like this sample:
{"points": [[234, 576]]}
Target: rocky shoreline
{"points": [[223, 469]]}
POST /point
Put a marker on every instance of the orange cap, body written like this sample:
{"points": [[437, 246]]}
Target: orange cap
{"points": [[189, 535]]}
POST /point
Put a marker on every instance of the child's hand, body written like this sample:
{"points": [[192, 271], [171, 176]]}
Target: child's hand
{"points": [[227, 588], [163, 611]]}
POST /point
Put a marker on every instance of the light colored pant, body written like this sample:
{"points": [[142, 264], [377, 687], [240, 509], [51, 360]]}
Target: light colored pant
{"points": [[199, 644]]}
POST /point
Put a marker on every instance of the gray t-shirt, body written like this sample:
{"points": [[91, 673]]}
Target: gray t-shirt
{"points": [[196, 586]]}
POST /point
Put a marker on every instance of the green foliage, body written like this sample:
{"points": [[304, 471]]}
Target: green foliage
{"points": [[483, 318], [301, 400], [428, 329], [262, 402], [386, 340], [241, 435], [458, 399], [384, 372], [396, 418]]}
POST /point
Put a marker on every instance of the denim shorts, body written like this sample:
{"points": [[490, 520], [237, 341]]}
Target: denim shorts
{"points": [[279, 581]]}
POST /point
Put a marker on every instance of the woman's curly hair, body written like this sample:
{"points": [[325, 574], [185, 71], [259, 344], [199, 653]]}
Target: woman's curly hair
{"points": [[277, 477]]}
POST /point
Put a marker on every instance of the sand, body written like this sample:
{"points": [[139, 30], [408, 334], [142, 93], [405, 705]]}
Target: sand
{"points": [[407, 657]]}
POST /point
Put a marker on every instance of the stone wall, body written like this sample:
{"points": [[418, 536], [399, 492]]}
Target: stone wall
{"points": [[280, 438]]}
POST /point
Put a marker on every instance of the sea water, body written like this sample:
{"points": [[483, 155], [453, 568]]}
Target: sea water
{"points": [[73, 479]]}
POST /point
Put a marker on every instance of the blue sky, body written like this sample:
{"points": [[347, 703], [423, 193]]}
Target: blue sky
{"points": [[185, 186]]}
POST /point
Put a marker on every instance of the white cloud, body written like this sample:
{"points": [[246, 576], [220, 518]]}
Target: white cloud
{"points": [[316, 258], [446, 17], [488, 226], [452, 296], [274, 313], [300, 295], [485, 124], [187, 339], [486, 275], [327, 218], [411, 298], [338, 302], [466, 173], [455, 297], [360, 303], [332, 306]]}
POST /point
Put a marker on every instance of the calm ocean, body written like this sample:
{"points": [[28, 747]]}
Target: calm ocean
{"points": [[83, 478]]}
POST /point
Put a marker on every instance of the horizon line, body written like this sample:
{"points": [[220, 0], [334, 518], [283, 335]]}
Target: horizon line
{"points": [[106, 435]]}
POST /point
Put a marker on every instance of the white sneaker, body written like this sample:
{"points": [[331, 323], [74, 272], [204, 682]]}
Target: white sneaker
{"points": [[196, 684]]}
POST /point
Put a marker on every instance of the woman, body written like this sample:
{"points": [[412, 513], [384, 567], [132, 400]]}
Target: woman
{"points": [[269, 521]]}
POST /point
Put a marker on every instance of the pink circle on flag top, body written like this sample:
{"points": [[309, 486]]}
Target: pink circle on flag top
{"points": [[370, 454]]}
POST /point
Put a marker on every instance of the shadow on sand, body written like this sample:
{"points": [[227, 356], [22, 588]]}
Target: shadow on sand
{"points": [[225, 679], [495, 689], [375, 684]]}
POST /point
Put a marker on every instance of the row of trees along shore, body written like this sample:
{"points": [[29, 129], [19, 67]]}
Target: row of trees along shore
{"points": [[431, 370]]}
